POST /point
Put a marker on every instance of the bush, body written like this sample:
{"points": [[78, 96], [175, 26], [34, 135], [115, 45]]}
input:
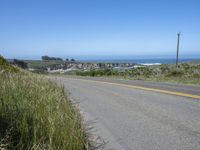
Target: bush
{"points": [[196, 75], [20, 64], [142, 71], [185, 66], [164, 69], [93, 73], [175, 73]]}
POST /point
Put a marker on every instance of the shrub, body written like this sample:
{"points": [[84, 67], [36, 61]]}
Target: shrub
{"points": [[164, 69], [185, 66], [20, 64], [175, 73], [196, 75], [142, 71]]}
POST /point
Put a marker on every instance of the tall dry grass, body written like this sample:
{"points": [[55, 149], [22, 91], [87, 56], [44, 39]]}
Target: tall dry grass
{"points": [[36, 114]]}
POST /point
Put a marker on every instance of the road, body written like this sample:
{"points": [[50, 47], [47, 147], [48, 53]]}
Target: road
{"points": [[133, 118]]}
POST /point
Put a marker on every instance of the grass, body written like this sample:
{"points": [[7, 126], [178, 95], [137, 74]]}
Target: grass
{"points": [[5, 67], [37, 64], [36, 114], [187, 73]]}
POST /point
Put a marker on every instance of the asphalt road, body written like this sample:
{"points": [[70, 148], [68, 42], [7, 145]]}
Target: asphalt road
{"points": [[136, 119]]}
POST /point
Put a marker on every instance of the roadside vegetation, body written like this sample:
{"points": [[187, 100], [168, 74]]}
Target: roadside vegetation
{"points": [[186, 73], [36, 114], [40, 66]]}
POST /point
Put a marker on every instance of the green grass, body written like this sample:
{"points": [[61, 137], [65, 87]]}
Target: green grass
{"points": [[187, 73], [36, 114], [5, 67], [37, 64]]}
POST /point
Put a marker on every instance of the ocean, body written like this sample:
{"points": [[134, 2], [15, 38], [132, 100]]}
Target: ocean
{"points": [[144, 61]]}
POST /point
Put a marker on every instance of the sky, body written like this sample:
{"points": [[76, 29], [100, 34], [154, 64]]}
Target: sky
{"points": [[99, 29]]}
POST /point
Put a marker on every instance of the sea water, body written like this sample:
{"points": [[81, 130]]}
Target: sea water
{"points": [[144, 61]]}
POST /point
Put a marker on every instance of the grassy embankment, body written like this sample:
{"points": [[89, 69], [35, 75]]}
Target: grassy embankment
{"points": [[36, 114], [187, 73]]}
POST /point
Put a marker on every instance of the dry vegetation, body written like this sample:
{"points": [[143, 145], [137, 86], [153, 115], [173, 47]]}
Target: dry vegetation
{"points": [[186, 73], [36, 114]]}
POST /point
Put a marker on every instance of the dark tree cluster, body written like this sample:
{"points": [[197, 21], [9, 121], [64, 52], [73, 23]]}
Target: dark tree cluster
{"points": [[67, 59], [20, 63], [51, 58]]}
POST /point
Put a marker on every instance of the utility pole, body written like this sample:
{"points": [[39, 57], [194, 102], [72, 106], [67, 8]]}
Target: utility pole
{"points": [[177, 49]]}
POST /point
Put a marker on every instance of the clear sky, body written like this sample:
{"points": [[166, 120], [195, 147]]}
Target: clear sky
{"points": [[99, 28]]}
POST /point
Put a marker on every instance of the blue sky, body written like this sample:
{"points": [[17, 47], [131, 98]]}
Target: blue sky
{"points": [[99, 28]]}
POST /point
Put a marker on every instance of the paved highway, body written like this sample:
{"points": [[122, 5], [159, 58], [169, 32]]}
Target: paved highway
{"points": [[137, 115]]}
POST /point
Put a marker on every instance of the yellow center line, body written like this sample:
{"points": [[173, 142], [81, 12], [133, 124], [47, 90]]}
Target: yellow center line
{"points": [[146, 89]]}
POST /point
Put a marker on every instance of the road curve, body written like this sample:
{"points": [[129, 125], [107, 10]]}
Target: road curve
{"points": [[131, 118]]}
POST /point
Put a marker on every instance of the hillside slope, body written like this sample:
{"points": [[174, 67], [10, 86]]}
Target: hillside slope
{"points": [[36, 114]]}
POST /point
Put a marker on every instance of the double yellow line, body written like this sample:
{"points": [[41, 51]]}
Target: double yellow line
{"points": [[146, 89]]}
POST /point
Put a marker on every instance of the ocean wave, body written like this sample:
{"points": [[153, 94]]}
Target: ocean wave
{"points": [[150, 64]]}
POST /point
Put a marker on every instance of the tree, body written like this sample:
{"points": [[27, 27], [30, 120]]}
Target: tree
{"points": [[45, 57], [72, 59], [60, 59], [20, 63], [51, 58]]}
